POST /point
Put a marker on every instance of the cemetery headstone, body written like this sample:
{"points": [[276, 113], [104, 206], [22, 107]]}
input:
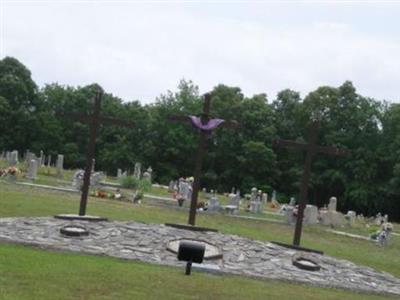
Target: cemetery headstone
{"points": [[311, 214], [119, 173], [172, 186], [77, 179], [332, 204], [331, 217], [137, 173], [147, 174], [13, 158], [264, 198], [213, 204], [350, 217], [28, 157], [60, 165], [255, 201], [32, 169], [96, 178], [8, 157], [184, 189], [41, 158], [49, 161]]}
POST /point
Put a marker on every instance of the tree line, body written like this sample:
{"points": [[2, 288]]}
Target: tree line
{"points": [[367, 181]]}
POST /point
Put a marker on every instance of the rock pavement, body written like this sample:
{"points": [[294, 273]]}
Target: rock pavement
{"points": [[241, 256]]}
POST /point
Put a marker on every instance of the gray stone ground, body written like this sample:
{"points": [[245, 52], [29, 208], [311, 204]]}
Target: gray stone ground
{"points": [[241, 256]]}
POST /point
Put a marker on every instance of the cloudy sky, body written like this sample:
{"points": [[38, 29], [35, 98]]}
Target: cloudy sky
{"points": [[140, 49]]}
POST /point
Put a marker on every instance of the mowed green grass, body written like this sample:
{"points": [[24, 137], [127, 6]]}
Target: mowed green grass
{"points": [[115, 279], [27, 273]]}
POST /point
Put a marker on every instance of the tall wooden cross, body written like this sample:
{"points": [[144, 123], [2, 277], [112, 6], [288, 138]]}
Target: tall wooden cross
{"points": [[94, 121], [311, 149], [206, 126]]}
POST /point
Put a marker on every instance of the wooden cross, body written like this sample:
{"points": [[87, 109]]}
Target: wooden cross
{"points": [[205, 118], [94, 121], [312, 149]]}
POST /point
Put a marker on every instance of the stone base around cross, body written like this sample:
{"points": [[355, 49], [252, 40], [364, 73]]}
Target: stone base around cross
{"points": [[72, 217], [240, 256]]}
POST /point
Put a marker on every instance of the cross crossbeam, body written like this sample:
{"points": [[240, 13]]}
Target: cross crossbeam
{"points": [[311, 149]]}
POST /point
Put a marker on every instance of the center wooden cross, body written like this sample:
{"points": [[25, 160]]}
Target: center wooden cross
{"points": [[311, 149], [94, 120], [206, 126]]}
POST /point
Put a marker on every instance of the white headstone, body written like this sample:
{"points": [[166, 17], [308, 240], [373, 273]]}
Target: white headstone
{"points": [[310, 214], [147, 174], [13, 158], [137, 173], [60, 165], [213, 204], [256, 201], [350, 217], [172, 186], [32, 169], [264, 197], [41, 158], [332, 204]]}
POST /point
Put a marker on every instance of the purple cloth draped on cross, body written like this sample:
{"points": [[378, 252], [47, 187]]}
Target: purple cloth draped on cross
{"points": [[209, 127]]}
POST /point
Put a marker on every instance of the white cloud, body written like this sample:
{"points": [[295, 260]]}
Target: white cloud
{"points": [[138, 51]]}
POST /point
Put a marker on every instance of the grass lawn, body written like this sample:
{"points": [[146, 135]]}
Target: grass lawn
{"points": [[94, 276], [27, 273]]}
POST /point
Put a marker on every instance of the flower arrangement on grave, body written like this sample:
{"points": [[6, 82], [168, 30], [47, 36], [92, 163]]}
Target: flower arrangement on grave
{"points": [[13, 171]]}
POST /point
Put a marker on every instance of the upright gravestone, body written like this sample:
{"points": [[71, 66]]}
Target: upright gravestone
{"points": [[310, 214], [234, 200], [172, 186], [331, 217], [137, 173], [8, 156], [255, 201], [119, 173], [264, 198], [185, 189], [213, 204], [32, 169], [60, 165], [13, 158], [147, 174], [28, 157], [41, 158], [49, 161], [332, 204]]}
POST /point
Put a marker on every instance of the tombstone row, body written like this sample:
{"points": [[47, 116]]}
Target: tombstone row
{"points": [[33, 162], [137, 173]]}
